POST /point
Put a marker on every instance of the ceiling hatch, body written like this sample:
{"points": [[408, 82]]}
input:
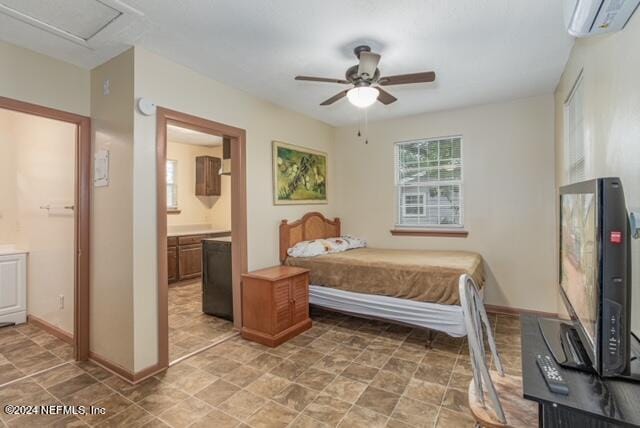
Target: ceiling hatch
{"points": [[80, 18]]}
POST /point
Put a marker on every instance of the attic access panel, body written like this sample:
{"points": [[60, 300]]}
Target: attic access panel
{"points": [[80, 18]]}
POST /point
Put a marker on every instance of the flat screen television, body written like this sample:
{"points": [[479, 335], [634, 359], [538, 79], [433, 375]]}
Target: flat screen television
{"points": [[595, 277]]}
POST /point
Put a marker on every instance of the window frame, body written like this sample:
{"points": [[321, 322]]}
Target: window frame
{"points": [[398, 193], [174, 184]]}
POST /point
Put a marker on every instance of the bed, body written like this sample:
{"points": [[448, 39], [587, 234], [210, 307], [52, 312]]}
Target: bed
{"points": [[412, 287]]}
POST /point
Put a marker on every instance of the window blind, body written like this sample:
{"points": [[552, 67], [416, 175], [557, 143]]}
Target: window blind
{"points": [[429, 182], [574, 133], [172, 185]]}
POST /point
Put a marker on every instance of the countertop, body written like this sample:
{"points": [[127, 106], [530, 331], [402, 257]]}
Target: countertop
{"points": [[194, 230], [6, 250]]}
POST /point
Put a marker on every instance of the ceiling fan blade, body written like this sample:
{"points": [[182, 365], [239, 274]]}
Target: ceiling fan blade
{"points": [[385, 97], [368, 64], [322, 79], [403, 79], [334, 98]]}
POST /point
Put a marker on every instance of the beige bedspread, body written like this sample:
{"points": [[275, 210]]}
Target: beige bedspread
{"points": [[426, 276]]}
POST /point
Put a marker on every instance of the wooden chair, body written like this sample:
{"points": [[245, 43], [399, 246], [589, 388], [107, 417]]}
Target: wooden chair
{"points": [[495, 398]]}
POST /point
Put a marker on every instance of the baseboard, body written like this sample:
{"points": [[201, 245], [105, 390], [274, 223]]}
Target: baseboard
{"points": [[508, 310], [56, 331], [123, 372]]}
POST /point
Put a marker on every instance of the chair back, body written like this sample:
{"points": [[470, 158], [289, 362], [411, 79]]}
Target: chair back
{"points": [[477, 325]]}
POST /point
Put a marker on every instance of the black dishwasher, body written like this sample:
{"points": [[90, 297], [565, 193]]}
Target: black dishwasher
{"points": [[217, 296]]}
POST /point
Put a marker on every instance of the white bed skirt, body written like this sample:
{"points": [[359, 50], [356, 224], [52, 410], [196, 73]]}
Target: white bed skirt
{"points": [[446, 318]]}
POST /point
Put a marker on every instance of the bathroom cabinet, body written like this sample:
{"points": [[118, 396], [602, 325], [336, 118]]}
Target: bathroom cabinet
{"points": [[13, 287]]}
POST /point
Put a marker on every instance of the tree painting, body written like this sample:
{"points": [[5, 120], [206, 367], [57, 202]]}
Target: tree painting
{"points": [[300, 175]]}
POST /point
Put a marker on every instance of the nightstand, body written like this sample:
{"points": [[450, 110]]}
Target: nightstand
{"points": [[275, 304]]}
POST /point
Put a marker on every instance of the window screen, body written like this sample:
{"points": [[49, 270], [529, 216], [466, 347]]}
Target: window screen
{"points": [[429, 182]]}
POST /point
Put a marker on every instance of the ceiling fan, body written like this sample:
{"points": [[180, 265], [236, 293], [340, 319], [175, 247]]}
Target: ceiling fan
{"points": [[364, 76]]}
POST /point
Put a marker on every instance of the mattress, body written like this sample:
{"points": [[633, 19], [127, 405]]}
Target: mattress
{"points": [[419, 275]]}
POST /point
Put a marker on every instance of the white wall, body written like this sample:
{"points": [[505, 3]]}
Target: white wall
{"points": [[41, 154], [212, 210], [508, 192], [111, 294], [611, 91], [176, 87], [28, 76]]}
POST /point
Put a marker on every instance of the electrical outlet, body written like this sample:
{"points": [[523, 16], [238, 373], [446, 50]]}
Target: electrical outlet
{"points": [[61, 302]]}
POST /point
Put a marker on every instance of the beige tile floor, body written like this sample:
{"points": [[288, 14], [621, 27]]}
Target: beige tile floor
{"points": [[344, 372], [26, 349], [189, 328]]}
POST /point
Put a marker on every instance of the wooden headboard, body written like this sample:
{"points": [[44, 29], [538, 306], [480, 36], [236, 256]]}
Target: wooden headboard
{"points": [[311, 226]]}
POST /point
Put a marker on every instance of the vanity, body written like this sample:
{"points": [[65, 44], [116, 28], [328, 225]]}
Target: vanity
{"points": [[184, 250], [13, 285]]}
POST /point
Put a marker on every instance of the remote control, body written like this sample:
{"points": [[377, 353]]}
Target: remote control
{"points": [[551, 374]]}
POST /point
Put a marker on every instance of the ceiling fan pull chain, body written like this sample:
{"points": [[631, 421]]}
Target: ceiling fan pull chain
{"points": [[366, 127]]}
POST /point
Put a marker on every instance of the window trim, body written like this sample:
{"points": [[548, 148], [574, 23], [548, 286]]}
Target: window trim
{"points": [[457, 230], [173, 209]]}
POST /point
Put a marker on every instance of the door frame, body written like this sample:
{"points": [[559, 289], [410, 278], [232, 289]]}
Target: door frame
{"points": [[82, 215], [165, 117]]}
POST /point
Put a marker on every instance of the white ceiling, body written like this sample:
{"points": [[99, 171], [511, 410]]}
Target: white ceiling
{"points": [[176, 134], [481, 50]]}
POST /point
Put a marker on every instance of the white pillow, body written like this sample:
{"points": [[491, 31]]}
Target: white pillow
{"points": [[318, 247], [312, 248], [354, 242]]}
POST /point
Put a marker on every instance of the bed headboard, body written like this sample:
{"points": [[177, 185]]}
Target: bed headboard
{"points": [[311, 226]]}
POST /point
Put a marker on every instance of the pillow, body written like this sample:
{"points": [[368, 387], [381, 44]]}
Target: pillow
{"points": [[354, 242], [311, 248], [318, 247]]}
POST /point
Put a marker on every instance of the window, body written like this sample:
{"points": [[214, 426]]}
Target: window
{"points": [[574, 133], [172, 184], [429, 182]]}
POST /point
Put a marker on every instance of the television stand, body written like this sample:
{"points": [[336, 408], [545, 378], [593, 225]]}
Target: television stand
{"points": [[564, 344], [593, 401]]}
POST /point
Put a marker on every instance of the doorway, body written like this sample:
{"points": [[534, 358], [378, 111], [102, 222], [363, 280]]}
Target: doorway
{"points": [[202, 232], [45, 217]]}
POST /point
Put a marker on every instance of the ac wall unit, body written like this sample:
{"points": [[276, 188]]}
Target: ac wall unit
{"points": [[591, 17]]}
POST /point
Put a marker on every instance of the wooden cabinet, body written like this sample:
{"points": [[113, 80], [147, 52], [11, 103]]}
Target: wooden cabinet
{"points": [[190, 261], [184, 256], [172, 264], [275, 304], [208, 182]]}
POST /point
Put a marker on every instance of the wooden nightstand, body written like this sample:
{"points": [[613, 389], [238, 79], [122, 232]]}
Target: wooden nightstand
{"points": [[275, 304]]}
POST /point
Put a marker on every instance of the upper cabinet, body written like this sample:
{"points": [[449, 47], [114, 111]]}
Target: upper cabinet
{"points": [[208, 181]]}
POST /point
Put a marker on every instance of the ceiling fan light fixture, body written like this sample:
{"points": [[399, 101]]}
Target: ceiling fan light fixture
{"points": [[362, 96]]}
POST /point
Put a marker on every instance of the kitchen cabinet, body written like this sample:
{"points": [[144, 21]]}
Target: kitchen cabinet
{"points": [[184, 256], [208, 182]]}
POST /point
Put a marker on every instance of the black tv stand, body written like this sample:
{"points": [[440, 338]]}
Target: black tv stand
{"points": [[592, 401], [564, 344]]}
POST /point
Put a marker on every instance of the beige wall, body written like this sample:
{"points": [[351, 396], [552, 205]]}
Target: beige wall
{"points": [[111, 294], [35, 78], [42, 157], [508, 192], [173, 86], [212, 210], [8, 184], [611, 65]]}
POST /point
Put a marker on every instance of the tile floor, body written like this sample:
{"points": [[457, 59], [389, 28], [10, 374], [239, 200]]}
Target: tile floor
{"points": [[26, 349], [189, 328], [344, 372]]}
